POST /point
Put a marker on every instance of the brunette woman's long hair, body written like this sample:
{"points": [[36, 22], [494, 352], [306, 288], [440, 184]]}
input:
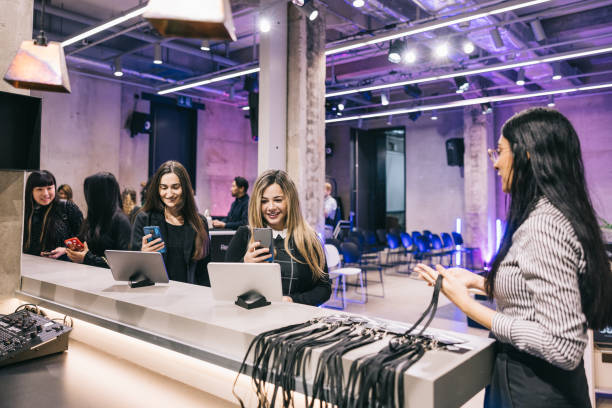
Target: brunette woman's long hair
{"points": [[40, 178], [547, 162], [302, 234], [187, 205]]}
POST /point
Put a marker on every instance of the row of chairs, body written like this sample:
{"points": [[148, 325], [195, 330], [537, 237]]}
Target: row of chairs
{"points": [[368, 251]]}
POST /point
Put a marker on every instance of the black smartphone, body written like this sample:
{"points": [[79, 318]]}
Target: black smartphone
{"points": [[264, 236]]}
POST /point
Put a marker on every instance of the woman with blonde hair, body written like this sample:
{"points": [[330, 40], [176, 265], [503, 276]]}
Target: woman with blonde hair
{"points": [[275, 204]]}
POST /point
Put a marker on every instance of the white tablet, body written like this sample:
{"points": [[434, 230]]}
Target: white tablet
{"points": [[228, 280]]}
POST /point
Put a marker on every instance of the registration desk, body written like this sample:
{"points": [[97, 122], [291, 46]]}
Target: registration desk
{"points": [[184, 319]]}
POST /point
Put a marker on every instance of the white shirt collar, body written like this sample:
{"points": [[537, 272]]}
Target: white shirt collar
{"points": [[282, 233]]}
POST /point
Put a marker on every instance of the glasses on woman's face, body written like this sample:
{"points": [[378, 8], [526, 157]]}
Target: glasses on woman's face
{"points": [[493, 154]]}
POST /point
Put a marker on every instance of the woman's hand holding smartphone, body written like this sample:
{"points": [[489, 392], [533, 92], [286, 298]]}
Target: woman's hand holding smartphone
{"points": [[77, 255], [255, 253], [152, 240]]}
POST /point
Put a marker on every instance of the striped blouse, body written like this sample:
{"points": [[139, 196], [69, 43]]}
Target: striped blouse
{"points": [[536, 290]]}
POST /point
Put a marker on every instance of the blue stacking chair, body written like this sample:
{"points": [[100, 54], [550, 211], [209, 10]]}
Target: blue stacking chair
{"points": [[352, 258]]}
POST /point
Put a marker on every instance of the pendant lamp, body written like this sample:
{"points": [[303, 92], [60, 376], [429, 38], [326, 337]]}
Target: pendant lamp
{"points": [[210, 19], [39, 65]]}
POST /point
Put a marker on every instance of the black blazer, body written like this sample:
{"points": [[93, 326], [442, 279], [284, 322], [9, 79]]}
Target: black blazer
{"points": [[197, 271], [305, 289]]}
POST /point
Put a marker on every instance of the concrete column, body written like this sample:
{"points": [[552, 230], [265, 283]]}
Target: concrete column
{"points": [[479, 220], [273, 88], [11, 227], [306, 113], [15, 27]]}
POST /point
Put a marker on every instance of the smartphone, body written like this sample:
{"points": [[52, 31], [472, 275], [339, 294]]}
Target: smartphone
{"points": [[74, 244], [264, 236], [155, 233]]}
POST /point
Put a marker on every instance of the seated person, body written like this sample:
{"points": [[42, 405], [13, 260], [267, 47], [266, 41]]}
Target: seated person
{"points": [[48, 221], [106, 226], [171, 206], [275, 204], [331, 206], [239, 211]]}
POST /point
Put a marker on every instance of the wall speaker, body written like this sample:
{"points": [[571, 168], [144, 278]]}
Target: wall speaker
{"points": [[454, 151], [140, 123]]}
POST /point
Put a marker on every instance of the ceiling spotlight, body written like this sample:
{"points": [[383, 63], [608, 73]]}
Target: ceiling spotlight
{"points": [[338, 113], [245, 108], [310, 11], [468, 47], [360, 123], [409, 56], [395, 51], [441, 50], [486, 108], [300, 3], [358, 3], [341, 105], [462, 84], [434, 115], [117, 70], [496, 37], [205, 45], [551, 101], [390, 120], [384, 99], [264, 25], [557, 72], [157, 58], [537, 30], [520, 77]]}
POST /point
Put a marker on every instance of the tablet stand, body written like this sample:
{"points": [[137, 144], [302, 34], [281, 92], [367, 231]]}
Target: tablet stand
{"points": [[139, 280]]}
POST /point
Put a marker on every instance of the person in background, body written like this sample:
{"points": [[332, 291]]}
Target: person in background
{"points": [[64, 192], [275, 204], [330, 206], [239, 211], [129, 206], [171, 206], [106, 226], [48, 221], [551, 278]]}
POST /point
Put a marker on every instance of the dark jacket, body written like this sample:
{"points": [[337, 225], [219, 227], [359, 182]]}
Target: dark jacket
{"points": [[118, 238], [67, 220], [238, 214], [304, 289], [197, 271]]}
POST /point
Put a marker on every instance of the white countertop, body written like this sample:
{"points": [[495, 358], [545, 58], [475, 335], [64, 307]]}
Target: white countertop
{"points": [[185, 318]]}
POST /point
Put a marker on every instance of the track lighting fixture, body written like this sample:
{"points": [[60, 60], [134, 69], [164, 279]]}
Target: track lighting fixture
{"points": [[462, 84], [486, 108], [205, 45], [520, 77], [537, 30], [468, 47], [157, 58], [557, 72], [358, 3], [117, 69], [395, 51], [384, 98], [551, 101]]}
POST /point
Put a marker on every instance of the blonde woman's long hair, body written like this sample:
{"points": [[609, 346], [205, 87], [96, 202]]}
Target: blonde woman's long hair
{"points": [[304, 237]]}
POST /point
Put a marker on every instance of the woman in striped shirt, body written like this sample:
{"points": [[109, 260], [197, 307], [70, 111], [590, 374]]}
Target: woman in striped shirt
{"points": [[551, 278]]}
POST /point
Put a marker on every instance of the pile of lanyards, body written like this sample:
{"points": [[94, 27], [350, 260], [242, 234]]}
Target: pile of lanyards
{"points": [[374, 379]]}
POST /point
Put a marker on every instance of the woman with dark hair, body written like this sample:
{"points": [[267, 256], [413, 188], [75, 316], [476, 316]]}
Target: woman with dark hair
{"points": [[106, 227], [551, 278], [275, 204], [171, 206], [48, 221]]}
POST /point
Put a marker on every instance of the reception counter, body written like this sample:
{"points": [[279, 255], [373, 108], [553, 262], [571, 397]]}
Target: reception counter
{"points": [[185, 319]]}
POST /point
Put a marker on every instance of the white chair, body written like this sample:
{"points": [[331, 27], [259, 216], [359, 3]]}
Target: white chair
{"points": [[339, 274]]}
